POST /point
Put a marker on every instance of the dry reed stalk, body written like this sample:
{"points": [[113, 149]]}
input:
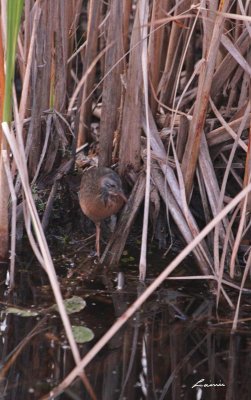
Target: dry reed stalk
{"points": [[25, 96], [57, 140], [156, 45], [61, 12], [84, 78], [45, 146], [179, 219], [223, 188], [235, 175], [208, 14], [66, 15], [40, 83], [244, 276], [84, 104], [233, 86], [28, 62], [228, 64], [238, 237], [174, 52], [5, 159], [183, 205], [211, 184], [225, 132], [183, 218], [27, 27], [247, 172], [225, 179], [111, 94], [127, 9], [57, 95], [144, 10], [225, 253], [190, 60], [49, 205], [73, 21], [182, 137], [129, 155], [236, 54], [4, 188], [205, 203], [189, 161], [245, 86], [4, 218]]}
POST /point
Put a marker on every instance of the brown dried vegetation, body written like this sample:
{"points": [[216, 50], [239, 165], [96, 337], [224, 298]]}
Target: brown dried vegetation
{"points": [[172, 77], [198, 74]]}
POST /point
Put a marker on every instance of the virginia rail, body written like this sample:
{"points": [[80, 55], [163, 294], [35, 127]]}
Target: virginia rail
{"points": [[100, 196]]}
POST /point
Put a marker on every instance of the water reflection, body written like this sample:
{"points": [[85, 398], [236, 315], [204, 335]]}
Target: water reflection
{"points": [[173, 348]]}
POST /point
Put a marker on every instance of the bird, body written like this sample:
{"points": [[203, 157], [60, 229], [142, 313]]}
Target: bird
{"points": [[100, 196]]}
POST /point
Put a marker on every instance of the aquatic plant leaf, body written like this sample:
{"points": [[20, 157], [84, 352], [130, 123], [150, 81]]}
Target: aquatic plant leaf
{"points": [[82, 334], [72, 305], [21, 312], [128, 259]]}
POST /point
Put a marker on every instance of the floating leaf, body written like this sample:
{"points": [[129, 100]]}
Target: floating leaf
{"points": [[21, 312], [128, 259], [82, 334], [72, 305]]}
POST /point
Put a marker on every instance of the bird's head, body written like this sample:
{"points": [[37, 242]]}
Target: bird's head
{"points": [[111, 188]]}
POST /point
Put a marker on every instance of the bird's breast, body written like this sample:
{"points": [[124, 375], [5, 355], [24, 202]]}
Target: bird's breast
{"points": [[96, 209]]}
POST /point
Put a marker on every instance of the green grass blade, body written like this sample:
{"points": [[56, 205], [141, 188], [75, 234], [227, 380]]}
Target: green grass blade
{"points": [[14, 12]]}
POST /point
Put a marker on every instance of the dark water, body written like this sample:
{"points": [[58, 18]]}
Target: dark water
{"points": [[174, 341]]}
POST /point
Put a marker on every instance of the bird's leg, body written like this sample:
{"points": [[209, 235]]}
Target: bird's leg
{"points": [[98, 238]]}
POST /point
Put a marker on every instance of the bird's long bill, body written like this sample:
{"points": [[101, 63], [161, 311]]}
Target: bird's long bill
{"points": [[122, 195]]}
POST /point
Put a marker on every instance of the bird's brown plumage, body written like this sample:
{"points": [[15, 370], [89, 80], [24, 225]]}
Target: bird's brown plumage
{"points": [[100, 196]]}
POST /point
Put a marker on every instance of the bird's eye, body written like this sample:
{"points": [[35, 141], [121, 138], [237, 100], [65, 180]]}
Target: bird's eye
{"points": [[110, 185]]}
